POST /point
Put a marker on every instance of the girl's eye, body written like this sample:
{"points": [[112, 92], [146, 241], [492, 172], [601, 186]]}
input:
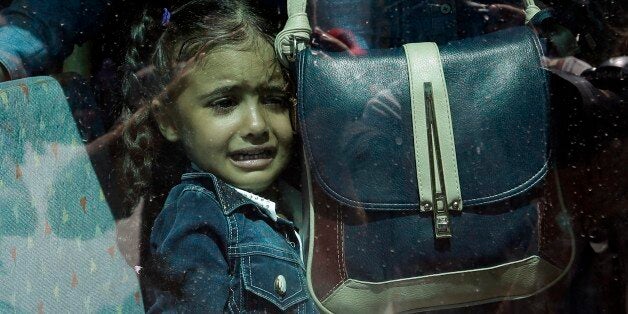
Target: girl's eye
{"points": [[278, 101], [223, 103]]}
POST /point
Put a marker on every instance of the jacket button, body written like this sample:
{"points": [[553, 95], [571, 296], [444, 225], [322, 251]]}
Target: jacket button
{"points": [[280, 285]]}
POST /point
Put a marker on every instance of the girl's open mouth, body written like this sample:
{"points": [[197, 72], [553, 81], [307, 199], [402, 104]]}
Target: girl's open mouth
{"points": [[254, 158]]}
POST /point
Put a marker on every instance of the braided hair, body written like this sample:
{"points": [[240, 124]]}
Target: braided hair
{"points": [[162, 43]]}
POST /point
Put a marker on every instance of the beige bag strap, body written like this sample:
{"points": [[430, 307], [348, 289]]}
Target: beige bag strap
{"points": [[434, 147], [295, 35], [531, 9]]}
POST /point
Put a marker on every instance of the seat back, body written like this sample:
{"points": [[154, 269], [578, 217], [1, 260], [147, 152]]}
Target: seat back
{"points": [[58, 250]]}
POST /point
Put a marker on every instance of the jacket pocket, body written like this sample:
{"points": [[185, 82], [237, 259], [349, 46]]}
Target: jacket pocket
{"points": [[274, 275]]}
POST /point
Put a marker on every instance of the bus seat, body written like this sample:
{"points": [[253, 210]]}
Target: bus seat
{"points": [[58, 243]]}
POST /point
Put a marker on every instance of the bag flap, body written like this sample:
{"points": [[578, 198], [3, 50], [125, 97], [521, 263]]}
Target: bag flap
{"points": [[355, 120]]}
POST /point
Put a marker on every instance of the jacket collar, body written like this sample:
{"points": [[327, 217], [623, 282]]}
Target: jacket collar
{"points": [[228, 196]]}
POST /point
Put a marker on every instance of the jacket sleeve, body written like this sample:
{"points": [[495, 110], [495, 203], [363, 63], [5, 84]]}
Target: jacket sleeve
{"points": [[36, 35], [188, 247]]}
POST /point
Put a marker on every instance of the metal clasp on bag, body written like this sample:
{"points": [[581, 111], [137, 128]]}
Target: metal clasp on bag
{"points": [[442, 220], [442, 225], [439, 206], [294, 47]]}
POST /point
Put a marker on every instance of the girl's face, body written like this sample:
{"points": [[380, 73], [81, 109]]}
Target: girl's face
{"points": [[232, 116]]}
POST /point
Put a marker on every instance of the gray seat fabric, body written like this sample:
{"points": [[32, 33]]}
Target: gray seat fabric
{"points": [[58, 250]]}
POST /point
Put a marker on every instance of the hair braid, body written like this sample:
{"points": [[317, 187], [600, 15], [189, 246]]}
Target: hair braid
{"points": [[138, 134], [135, 66], [142, 143]]}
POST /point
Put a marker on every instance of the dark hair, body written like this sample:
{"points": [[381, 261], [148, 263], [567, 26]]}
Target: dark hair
{"points": [[155, 57]]}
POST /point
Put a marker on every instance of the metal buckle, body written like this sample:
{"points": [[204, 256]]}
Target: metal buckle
{"points": [[438, 205], [294, 47]]}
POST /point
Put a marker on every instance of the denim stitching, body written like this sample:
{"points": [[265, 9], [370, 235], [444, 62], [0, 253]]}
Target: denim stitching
{"points": [[260, 249], [241, 289], [249, 249], [230, 231], [263, 246], [233, 263], [249, 253], [202, 190], [194, 175], [296, 300], [300, 278], [301, 284], [220, 197], [295, 294], [192, 187], [241, 280], [253, 253], [236, 231], [233, 296]]}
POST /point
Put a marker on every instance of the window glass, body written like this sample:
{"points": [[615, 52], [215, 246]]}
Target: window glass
{"points": [[430, 155]]}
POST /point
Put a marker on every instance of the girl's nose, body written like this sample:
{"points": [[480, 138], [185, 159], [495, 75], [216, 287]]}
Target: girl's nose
{"points": [[255, 126]]}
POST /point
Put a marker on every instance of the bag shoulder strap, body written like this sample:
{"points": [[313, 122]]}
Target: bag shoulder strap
{"points": [[531, 9], [295, 35]]}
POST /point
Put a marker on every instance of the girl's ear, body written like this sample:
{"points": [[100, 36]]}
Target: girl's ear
{"points": [[165, 122]]}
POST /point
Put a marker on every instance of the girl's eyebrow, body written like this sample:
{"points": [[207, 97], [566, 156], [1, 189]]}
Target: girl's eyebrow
{"points": [[282, 88], [274, 87], [227, 89]]}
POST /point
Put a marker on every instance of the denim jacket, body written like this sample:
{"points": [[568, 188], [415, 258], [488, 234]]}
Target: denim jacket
{"points": [[215, 250]]}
